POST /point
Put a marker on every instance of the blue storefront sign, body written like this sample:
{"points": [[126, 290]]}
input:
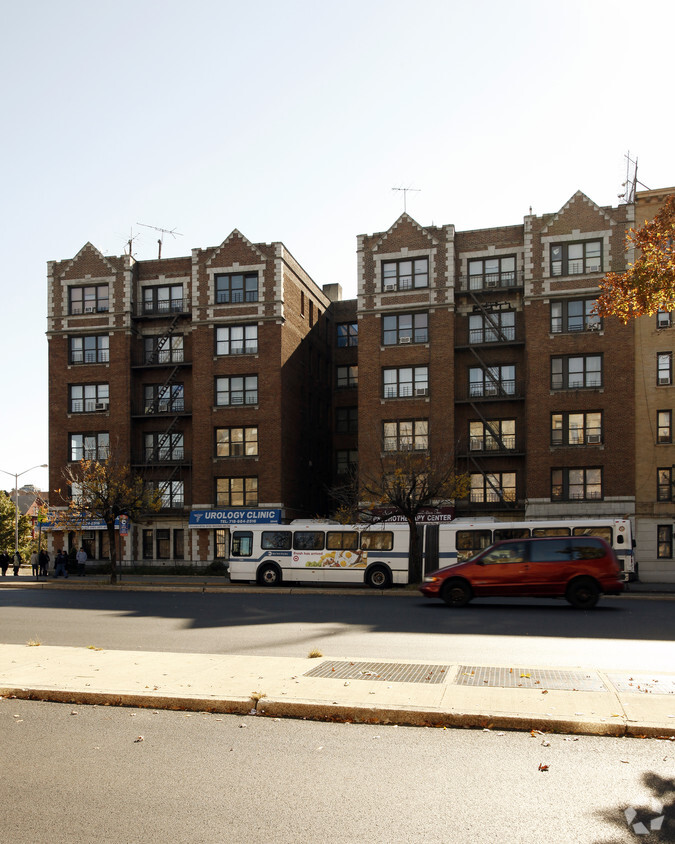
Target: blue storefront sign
{"points": [[225, 518]]}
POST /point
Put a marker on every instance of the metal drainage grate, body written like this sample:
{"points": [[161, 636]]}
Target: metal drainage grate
{"points": [[645, 684], [529, 678], [389, 672]]}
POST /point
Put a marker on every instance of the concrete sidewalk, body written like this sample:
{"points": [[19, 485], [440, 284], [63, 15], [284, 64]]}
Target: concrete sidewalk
{"points": [[584, 700]]}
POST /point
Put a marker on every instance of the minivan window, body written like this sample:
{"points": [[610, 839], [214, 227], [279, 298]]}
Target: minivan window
{"points": [[551, 551], [588, 549], [514, 552]]}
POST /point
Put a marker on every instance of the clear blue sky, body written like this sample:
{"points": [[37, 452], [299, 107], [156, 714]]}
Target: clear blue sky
{"points": [[293, 121]]}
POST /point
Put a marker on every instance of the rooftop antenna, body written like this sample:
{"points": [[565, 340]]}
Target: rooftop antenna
{"points": [[130, 242], [405, 192], [632, 181], [172, 232]]}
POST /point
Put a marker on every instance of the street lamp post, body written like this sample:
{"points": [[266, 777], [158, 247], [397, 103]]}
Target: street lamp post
{"points": [[16, 476]]}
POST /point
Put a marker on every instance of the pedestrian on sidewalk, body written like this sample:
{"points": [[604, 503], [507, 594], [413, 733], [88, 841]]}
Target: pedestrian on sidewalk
{"points": [[4, 563], [60, 563], [81, 558], [17, 563], [35, 565], [43, 559]]}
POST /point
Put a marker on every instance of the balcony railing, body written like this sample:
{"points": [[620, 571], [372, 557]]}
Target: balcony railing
{"points": [[488, 389], [488, 334], [489, 444], [491, 281], [84, 357], [166, 307]]}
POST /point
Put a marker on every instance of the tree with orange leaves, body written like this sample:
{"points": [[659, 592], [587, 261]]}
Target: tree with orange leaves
{"points": [[648, 285]]}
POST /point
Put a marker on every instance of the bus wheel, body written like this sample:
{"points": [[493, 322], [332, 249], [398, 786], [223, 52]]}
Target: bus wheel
{"points": [[583, 593], [269, 575], [378, 577], [456, 593]]}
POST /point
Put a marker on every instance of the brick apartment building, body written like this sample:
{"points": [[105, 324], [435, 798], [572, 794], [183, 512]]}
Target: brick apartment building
{"points": [[231, 380]]}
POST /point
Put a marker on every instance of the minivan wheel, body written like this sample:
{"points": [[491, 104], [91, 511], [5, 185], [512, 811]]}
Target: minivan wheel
{"points": [[269, 575], [456, 593], [583, 593]]}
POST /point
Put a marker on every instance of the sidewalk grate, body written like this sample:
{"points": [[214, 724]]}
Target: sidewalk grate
{"points": [[529, 678], [389, 672], [645, 684]]}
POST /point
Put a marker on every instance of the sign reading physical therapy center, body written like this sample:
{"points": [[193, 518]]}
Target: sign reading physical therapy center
{"points": [[227, 518]]}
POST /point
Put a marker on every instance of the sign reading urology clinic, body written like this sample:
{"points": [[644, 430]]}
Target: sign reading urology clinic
{"points": [[227, 518]]}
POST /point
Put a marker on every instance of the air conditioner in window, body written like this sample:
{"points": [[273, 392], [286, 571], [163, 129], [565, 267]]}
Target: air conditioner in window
{"points": [[90, 310], [101, 405], [664, 379], [593, 438], [404, 339], [390, 285], [421, 391], [490, 282]]}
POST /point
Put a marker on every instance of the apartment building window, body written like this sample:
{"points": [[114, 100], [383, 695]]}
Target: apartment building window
{"points": [[494, 487], [171, 493], [664, 426], [405, 274], [347, 334], [664, 484], [90, 446], [492, 435], [237, 340], [492, 381], [346, 420], [664, 319], [89, 349], [492, 328], [576, 258], [572, 315], [88, 398], [576, 428], [576, 372], [88, 300], [163, 349], [406, 435], [160, 446], [664, 368], [236, 287], [576, 484], [237, 442], [160, 398], [405, 381], [236, 390], [665, 542], [236, 492], [346, 461], [165, 299], [347, 376], [405, 328], [492, 272]]}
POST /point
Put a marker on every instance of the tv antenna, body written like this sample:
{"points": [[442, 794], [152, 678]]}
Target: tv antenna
{"points": [[130, 241], [405, 192], [632, 181], [172, 232]]}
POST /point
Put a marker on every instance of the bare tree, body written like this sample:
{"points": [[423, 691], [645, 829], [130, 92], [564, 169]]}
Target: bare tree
{"points": [[104, 490], [405, 483]]}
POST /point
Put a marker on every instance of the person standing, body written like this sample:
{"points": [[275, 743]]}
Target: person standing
{"points": [[17, 563], [60, 563], [43, 559], [35, 565], [81, 558], [4, 563]]}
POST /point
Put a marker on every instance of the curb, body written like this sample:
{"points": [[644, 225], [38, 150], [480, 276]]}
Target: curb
{"points": [[342, 713]]}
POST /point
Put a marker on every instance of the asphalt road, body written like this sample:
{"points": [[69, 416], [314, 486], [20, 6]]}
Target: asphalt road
{"points": [[621, 633], [81, 774]]}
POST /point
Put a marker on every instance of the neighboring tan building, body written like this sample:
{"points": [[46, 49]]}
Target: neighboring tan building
{"points": [[655, 446]]}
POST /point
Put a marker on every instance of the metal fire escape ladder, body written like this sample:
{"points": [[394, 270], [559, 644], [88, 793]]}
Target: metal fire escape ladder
{"points": [[154, 407], [497, 437], [163, 340], [499, 390]]}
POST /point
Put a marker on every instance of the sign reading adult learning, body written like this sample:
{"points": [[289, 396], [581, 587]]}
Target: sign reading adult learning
{"points": [[225, 518]]}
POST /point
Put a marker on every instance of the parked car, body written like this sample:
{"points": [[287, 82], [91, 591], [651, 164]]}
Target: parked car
{"points": [[577, 568]]}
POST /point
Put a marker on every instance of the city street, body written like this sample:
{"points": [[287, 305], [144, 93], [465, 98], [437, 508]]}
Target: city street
{"points": [[621, 633], [95, 774]]}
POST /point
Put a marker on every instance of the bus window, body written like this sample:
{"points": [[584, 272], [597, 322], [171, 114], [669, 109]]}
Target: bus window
{"points": [[308, 540], [276, 540], [380, 541], [512, 533], [603, 532], [470, 542], [242, 543], [551, 531], [342, 540]]}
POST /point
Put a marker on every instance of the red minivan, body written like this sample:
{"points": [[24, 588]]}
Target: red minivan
{"points": [[577, 568]]}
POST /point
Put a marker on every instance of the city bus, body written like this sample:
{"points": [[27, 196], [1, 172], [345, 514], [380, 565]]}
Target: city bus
{"points": [[377, 554]]}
